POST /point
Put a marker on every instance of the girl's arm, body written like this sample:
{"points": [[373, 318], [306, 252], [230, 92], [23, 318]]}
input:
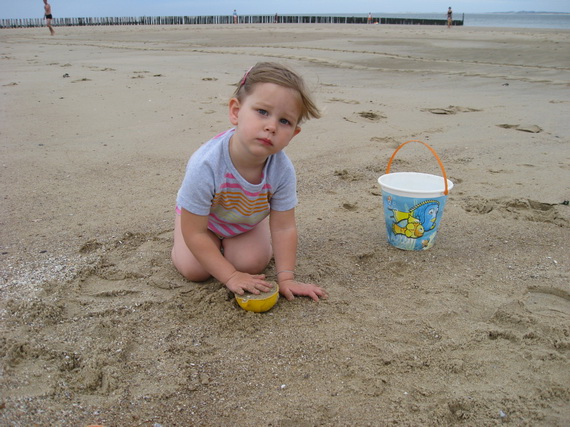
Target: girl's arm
{"points": [[284, 240], [202, 244]]}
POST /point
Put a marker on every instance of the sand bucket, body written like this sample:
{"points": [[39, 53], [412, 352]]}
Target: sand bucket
{"points": [[413, 204]]}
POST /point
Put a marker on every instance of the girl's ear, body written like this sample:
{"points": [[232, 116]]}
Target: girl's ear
{"points": [[297, 130], [234, 107]]}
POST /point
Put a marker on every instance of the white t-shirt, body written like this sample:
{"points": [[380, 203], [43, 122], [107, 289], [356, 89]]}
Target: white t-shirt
{"points": [[212, 186]]}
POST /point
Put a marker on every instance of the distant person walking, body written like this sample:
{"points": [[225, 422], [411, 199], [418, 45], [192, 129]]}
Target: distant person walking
{"points": [[370, 18], [235, 17], [449, 17], [48, 16]]}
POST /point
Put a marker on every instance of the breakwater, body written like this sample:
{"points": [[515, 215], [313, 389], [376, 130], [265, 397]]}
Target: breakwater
{"points": [[220, 19]]}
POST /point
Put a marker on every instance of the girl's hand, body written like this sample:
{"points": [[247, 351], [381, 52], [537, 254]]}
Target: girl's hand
{"points": [[240, 282], [290, 288]]}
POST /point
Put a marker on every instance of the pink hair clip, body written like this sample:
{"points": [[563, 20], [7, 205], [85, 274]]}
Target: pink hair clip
{"points": [[245, 76]]}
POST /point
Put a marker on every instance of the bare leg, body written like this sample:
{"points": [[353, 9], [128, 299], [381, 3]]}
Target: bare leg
{"points": [[184, 260], [51, 30], [250, 252]]}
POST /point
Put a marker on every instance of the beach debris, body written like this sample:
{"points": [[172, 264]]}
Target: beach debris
{"points": [[522, 128], [371, 115], [452, 109], [11, 84], [66, 75], [440, 111], [345, 101]]}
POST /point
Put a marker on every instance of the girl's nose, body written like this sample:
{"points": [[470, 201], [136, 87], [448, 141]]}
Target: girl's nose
{"points": [[270, 126]]}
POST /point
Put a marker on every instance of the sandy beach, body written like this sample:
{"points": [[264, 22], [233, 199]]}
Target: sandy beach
{"points": [[97, 327]]}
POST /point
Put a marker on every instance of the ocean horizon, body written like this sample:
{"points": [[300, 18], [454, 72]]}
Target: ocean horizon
{"points": [[557, 20], [546, 20]]}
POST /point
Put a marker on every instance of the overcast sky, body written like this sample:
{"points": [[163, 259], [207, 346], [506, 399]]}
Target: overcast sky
{"points": [[99, 8]]}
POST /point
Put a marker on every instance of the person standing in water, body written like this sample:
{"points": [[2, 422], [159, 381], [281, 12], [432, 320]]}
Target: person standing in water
{"points": [[48, 16]]}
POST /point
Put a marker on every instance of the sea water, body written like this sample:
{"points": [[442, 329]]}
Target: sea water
{"points": [[507, 19], [518, 20]]}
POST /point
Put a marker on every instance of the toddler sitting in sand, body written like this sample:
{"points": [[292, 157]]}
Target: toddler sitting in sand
{"points": [[236, 205]]}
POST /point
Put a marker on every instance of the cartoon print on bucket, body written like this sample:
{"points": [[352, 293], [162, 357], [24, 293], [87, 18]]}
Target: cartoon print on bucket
{"points": [[415, 227], [417, 220], [413, 205]]}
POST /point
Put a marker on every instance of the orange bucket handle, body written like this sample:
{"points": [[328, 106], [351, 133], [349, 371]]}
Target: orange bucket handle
{"points": [[434, 154]]}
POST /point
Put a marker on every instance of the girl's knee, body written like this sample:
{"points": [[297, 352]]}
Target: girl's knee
{"points": [[188, 270], [252, 263]]}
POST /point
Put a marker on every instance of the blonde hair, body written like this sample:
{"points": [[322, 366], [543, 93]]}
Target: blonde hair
{"points": [[271, 72]]}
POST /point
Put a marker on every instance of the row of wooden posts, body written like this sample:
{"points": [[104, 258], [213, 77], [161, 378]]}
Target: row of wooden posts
{"points": [[221, 19]]}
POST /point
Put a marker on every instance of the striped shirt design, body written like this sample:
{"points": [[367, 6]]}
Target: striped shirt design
{"points": [[212, 186], [236, 210]]}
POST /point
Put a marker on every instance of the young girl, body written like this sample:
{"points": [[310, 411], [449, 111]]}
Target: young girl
{"points": [[236, 206]]}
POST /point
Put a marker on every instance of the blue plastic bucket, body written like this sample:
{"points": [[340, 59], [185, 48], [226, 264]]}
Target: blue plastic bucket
{"points": [[413, 205]]}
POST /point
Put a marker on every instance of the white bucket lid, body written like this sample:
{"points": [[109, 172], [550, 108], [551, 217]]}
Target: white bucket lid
{"points": [[414, 184]]}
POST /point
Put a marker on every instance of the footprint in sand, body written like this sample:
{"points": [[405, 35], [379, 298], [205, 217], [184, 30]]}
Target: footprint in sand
{"points": [[345, 175], [539, 304], [368, 116], [549, 301], [129, 271], [522, 128], [350, 206], [525, 209]]}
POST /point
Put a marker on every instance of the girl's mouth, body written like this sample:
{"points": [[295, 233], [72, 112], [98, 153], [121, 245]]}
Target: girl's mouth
{"points": [[265, 141]]}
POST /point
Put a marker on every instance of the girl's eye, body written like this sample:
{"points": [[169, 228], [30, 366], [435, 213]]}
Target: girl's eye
{"points": [[285, 122], [262, 112]]}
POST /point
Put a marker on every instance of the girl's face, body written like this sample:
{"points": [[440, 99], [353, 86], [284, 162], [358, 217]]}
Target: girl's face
{"points": [[266, 120]]}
